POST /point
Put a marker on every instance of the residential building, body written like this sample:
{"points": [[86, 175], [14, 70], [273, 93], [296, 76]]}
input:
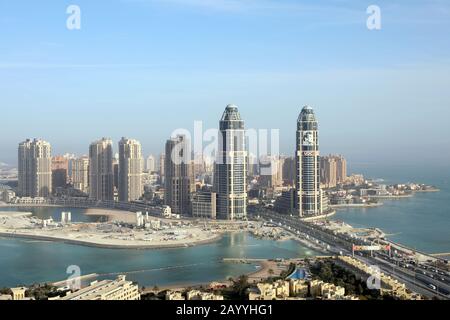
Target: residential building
{"points": [[130, 170], [34, 169], [101, 174], [179, 175], [119, 289], [80, 174]]}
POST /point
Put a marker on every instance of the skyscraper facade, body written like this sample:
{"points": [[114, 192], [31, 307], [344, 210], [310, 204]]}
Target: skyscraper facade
{"points": [[162, 164], [309, 197], [34, 168], [230, 181], [341, 169], [101, 175], [151, 164], [333, 170], [328, 171], [179, 175], [80, 174], [60, 172], [130, 170]]}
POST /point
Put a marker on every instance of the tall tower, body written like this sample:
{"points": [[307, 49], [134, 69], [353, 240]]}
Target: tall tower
{"points": [[308, 164], [35, 168], [130, 170], [179, 175], [230, 181], [101, 174], [80, 174], [150, 166]]}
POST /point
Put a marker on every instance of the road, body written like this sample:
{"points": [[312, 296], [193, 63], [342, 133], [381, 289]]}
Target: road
{"points": [[431, 283]]}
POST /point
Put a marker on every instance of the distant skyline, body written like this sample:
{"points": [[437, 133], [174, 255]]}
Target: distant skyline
{"points": [[143, 68]]}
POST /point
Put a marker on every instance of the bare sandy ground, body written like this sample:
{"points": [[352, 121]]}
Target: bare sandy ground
{"points": [[113, 214]]}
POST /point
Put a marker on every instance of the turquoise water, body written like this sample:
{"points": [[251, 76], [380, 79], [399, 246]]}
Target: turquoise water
{"points": [[421, 222], [23, 262]]}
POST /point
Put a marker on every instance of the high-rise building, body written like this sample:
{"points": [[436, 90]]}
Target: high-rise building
{"points": [[341, 169], [309, 197], [80, 174], [60, 172], [150, 164], [101, 174], [162, 164], [35, 168], [289, 171], [271, 171], [333, 170], [204, 204], [130, 170], [179, 175], [230, 182], [328, 171]]}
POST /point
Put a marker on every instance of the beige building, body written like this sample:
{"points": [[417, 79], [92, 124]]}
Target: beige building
{"points": [[130, 170], [174, 296], [199, 295], [333, 170], [35, 169], [179, 175], [80, 174], [119, 289], [298, 288], [101, 174]]}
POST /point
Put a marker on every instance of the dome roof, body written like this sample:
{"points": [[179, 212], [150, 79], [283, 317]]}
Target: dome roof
{"points": [[307, 114], [231, 113]]}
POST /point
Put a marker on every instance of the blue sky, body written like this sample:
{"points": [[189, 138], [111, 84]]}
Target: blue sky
{"points": [[142, 68]]}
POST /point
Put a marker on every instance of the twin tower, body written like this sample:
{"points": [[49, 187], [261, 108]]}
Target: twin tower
{"points": [[231, 168]]}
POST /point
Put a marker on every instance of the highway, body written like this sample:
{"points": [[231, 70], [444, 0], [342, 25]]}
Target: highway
{"points": [[424, 279]]}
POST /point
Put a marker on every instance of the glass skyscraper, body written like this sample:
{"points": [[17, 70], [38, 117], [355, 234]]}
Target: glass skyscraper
{"points": [[309, 195], [230, 182]]}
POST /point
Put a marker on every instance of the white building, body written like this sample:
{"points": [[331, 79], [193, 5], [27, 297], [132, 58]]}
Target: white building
{"points": [[119, 289], [35, 168]]}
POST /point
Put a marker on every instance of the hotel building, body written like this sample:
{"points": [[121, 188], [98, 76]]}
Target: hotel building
{"points": [[230, 181], [309, 197]]}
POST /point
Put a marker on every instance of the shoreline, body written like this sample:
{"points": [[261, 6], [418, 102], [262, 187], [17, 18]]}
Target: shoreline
{"points": [[16, 235]]}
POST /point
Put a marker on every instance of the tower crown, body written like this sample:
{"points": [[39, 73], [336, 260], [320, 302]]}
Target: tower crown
{"points": [[307, 115], [231, 113]]}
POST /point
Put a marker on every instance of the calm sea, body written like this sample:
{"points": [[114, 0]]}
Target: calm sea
{"points": [[26, 262], [421, 222]]}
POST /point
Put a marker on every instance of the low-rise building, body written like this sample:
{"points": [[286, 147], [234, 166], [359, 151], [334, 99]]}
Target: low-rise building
{"points": [[199, 295], [119, 289], [174, 296], [204, 205]]}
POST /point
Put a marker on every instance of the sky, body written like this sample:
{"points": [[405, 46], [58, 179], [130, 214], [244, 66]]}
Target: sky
{"points": [[143, 68]]}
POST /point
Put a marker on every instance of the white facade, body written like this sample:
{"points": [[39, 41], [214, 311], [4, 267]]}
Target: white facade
{"points": [[35, 168]]}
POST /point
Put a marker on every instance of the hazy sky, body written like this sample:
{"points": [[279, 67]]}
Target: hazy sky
{"points": [[142, 68]]}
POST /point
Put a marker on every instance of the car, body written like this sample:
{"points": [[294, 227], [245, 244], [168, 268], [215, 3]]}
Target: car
{"points": [[431, 286]]}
